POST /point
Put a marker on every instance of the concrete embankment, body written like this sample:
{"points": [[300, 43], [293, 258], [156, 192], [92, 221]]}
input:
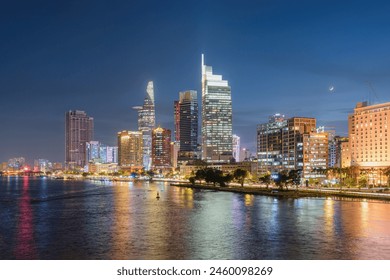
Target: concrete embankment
{"points": [[288, 193]]}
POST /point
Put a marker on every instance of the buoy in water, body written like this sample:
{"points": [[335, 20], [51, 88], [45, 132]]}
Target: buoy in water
{"points": [[158, 195]]}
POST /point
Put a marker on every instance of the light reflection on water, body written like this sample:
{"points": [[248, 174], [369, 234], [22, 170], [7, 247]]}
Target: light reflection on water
{"points": [[49, 219]]}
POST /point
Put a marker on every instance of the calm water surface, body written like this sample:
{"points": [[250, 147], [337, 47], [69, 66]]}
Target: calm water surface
{"points": [[54, 219]]}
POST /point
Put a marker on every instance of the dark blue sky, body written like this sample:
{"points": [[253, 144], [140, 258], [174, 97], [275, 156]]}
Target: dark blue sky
{"points": [[97, 56]]}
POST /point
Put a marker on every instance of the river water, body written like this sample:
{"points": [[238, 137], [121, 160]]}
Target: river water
{"points": [[55, 219]]}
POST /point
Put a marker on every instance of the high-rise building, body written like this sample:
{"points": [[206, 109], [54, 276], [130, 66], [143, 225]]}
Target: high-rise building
{"points": [[368, 128], [161, 148], [217, 139], [78, 131], [315, 154], [176, 119], [98, 152], [146, 123], [280, 143], [186, 124], [236, 147], [130, 149], [92, 151], [111, 154], [269, 143]]}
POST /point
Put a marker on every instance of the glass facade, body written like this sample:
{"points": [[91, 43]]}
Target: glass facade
{"points": [[217, 138], [146, 123]]}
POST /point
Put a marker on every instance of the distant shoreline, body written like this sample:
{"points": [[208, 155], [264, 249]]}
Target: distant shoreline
{"points": [[288, 193]]}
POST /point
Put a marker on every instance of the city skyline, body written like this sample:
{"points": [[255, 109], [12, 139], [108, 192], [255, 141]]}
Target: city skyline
{"points": [[298, 52]]}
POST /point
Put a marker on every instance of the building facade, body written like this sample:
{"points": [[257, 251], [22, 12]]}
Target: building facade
{"points": [[280, 143], [269, 143], [315, 154], [130, 149], [176, 119], [217, 139], [236, 147], [78, 131], [161, 149], [98, 152], [343, 154], [368, 128], [146, 123]]}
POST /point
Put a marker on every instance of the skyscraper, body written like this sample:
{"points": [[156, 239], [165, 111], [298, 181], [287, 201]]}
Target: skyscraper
{"points": [[161, 148], [146, 123], [130, 152], [78, 131], [217, 139], [188, 121]]}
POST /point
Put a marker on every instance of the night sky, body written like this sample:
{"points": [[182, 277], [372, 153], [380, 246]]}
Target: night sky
{"points": [[97, 56]]}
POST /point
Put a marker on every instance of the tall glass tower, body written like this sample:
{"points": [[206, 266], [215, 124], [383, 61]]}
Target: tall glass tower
{"points": [[217, 139], [188, 121], [146, 123]]}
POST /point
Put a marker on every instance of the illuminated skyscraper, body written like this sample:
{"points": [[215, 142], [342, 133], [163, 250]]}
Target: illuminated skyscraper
{"points": [[188, 114], [146, 123], [78, 131], [130, 152], [161, 148], [217, 139]]}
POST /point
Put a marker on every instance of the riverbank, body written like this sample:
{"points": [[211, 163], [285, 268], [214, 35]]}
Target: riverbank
{"points": [[291, 193]]}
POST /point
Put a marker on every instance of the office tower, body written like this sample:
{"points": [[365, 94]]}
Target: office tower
{"points": [[146, 123], [161, 148], [280, 142], [78, 131], [176, 119], [368, 128], [292, 145], [315, 154], [188, 121], [236, 147], [269, 143], [92, 151], [216, 117], [111, 154], [98, 152], [130, 149]]}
